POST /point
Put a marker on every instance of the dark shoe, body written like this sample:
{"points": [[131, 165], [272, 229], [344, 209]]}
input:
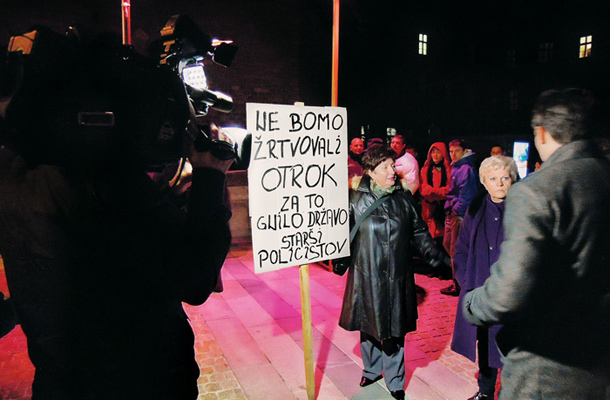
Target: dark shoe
{"points": [[398, 394], [451, 291], [479, 396], [364, 382]]}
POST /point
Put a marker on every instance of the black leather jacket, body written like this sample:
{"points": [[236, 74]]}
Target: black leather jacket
{"points": [[380, 295]]}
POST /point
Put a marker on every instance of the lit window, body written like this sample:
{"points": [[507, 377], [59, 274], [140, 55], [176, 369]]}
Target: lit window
{"points": [[423, 44], [545, 52], [586, 43]]}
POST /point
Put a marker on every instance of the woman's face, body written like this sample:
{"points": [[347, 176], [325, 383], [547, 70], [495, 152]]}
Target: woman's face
{"points": [[497, 182], [384, 174], [436, 155]]}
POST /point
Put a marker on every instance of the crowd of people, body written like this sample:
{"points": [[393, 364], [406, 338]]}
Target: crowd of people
{"points": [[528, 259]]}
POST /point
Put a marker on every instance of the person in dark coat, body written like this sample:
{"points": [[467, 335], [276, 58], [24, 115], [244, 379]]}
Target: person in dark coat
{"points": [[380, 299], [462, 189], [98, 259], [477, 247], [550, 288], [98, 268]]}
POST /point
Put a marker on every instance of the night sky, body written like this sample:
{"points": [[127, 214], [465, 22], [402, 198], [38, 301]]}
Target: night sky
{"points": [[461, 88]]}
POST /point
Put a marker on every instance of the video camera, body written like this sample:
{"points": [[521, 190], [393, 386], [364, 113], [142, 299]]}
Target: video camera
{"points": [[79, 100], [183, 48]]}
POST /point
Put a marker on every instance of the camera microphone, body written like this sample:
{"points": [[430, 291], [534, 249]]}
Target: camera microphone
{"points": [[217, 100]]}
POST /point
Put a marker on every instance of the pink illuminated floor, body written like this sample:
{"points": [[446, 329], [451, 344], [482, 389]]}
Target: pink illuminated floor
{"points": [[249, 341]]}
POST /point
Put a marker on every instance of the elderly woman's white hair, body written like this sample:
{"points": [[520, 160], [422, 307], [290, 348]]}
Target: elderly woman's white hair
{"points": [[498, 162]]}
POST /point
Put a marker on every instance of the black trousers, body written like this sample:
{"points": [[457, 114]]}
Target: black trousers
{"points": [[487, 375]]}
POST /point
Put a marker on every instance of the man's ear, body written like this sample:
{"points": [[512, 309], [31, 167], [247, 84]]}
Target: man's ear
{"points": [[539, 130]]}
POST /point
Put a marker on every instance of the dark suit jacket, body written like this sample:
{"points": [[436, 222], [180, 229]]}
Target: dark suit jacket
{"points": [[550, 287]]}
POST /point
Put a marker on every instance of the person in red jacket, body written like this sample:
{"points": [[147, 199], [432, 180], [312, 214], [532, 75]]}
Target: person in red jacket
{"points": [[435, 177]]}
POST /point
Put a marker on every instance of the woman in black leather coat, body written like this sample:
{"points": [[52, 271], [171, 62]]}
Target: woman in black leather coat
{"points": [[380, 299]]}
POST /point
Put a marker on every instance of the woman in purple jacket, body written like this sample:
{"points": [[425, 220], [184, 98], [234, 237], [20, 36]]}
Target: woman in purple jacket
{"points": [[477, 248]]}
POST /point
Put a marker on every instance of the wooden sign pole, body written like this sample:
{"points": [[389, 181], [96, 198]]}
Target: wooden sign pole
{"points": [[126, 21], [335, 66], [307, 332]]}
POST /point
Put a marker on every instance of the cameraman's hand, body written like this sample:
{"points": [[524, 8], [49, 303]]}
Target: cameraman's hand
{"points": [[207, 160]]}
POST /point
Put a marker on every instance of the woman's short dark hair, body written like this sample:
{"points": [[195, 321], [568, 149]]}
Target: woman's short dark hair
{"points": [[375, 155]]}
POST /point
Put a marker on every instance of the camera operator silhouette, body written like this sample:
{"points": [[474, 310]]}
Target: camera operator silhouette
{"points": [[98, 259]]}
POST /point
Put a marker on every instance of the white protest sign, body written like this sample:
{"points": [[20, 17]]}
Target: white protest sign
{"points": [[297, 185]]}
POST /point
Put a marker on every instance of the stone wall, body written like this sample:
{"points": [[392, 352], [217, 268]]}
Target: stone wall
{"points": [[237, 184]]}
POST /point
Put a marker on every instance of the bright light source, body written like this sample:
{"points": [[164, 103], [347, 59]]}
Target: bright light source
{"points": [[521, 152], [194, 76], [218, 42]]}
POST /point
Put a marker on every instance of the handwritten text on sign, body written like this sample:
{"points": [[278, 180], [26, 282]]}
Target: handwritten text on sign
{"points": [[297, 183]]}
